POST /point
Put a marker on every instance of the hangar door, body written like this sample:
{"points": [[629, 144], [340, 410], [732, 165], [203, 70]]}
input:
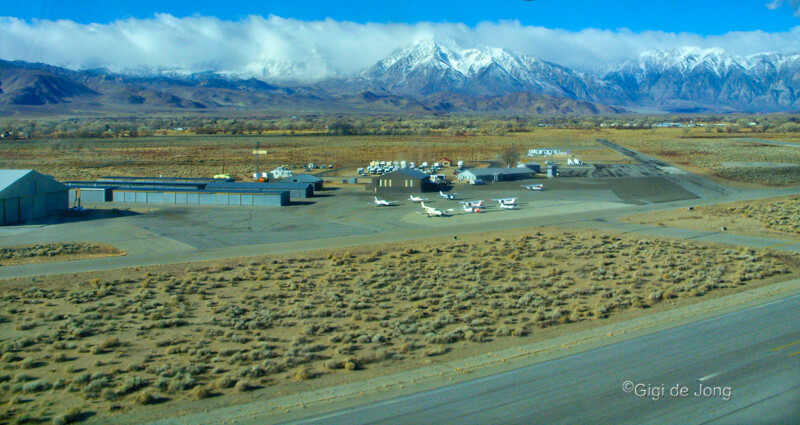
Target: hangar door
{"points": [[10, 210]]}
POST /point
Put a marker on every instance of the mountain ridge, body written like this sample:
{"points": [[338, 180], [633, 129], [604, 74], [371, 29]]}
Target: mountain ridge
{"points": [[416, 77]]}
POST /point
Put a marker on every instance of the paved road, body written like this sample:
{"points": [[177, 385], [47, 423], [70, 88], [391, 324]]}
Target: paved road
{"points": [[755, 353]]}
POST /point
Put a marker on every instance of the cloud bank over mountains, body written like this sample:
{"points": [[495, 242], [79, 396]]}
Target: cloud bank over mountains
{"points": [[279, 49]]}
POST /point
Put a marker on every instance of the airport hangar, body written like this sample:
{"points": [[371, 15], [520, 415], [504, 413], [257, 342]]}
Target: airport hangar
{"points": [[306, 178], [500, 174], [404, 180], [27, 195], [188, 191]]}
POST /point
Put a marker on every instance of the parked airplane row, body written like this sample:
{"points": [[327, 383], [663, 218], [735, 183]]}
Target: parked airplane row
{"points": [[468, 206]]}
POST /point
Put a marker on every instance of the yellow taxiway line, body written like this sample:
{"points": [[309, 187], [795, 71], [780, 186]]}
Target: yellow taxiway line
{"points": [[787, 345]]}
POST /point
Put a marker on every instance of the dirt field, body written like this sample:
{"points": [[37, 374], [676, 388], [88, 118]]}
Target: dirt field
{"points": [[100, 343], [712, 156], [774, 216], [50, 252], [206, 155], [200, 155]]}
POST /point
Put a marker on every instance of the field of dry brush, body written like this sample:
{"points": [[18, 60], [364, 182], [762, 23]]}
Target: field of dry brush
{"points": [[49, 252], [108, 342], [774, 216], [207, 155]]}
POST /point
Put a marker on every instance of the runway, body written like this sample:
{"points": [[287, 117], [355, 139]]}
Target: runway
{"points": [[739, 368]]}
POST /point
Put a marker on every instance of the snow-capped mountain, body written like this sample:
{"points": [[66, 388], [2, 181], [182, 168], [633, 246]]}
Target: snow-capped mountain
{"points": [[692, 78], [429, 67], [683, 79], [445, 76]]}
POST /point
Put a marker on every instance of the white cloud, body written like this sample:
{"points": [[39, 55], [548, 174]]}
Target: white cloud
{"points": [[794, 4], [276, 48]]}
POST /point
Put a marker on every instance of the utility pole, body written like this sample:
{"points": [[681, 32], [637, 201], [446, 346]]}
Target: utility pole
{"points": [[256, 164]]}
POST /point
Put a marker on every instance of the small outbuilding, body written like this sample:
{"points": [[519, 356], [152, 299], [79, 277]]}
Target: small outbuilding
{"points": [[306, 178], [405, 180], [27, 195], [445, 162]]}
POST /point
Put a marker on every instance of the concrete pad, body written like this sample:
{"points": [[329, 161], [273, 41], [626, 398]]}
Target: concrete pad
{"points": [[493, 213]]}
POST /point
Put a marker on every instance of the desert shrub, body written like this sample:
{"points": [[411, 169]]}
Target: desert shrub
{"points": [[435, 351], [181, 383], [36, 386], [109, 394], [162, 383], [225, 381], [503, 331], [145, 397], [132, 384], [303, 373], [71, 415], [243, 386], [8, 357], [110, 343], [96, 385], [200, 392]]}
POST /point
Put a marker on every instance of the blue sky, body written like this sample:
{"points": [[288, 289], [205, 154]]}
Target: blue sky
{"points": [[699, 17]]}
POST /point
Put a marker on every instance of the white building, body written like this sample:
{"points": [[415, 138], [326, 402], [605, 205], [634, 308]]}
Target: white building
{"points": [[281, 173], [544, 152]]}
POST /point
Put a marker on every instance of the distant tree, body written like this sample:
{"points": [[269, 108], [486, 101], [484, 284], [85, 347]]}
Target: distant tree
{"points": [[510, 156], [343, 128]]}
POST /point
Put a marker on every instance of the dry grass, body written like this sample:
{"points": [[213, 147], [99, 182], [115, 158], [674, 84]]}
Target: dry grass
{"points": [[200, 155], [166, 335], [196, 155], [50, 252], [774, 216], [707, 154]]}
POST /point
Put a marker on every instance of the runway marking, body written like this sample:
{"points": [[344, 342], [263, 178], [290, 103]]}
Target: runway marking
{"points": [[708, 377], [794, 354], [787, 345]]}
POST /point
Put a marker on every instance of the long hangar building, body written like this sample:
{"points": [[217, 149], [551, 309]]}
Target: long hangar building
{"points": [[189, 191]]}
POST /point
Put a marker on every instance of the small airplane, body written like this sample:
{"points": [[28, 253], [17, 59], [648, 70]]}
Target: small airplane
{"points": [[506, 201], [508, 206], [449, 196], [472, 203], [433, 212], [384, 203], [533, 186], [413, 198], [472, 208]]}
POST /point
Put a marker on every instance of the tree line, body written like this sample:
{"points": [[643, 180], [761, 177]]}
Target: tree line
{"points": [[456, 125]]}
